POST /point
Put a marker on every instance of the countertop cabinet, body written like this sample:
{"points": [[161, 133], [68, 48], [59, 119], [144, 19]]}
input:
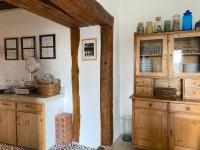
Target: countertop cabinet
{"points": [[22, 124], [8, 126], [29, 130]]}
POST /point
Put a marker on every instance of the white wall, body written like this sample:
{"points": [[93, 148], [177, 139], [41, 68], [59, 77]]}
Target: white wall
{"points": [[90, 91], [18, 23], [130, 13]]}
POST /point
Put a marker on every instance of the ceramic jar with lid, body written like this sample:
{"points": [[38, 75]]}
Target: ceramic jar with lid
{"points": [[176, 23], [158, 25], [140, 28], [149, 27]]}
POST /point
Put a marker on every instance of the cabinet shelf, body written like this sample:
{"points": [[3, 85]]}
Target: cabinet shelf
{"points": [[150, 55], [191, 54]]}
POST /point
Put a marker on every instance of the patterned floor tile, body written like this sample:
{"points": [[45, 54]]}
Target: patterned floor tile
{"points": [[73, 146]]}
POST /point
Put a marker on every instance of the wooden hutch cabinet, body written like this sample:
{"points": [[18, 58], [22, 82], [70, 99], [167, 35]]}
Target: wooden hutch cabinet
{"points": [[167, 60]]}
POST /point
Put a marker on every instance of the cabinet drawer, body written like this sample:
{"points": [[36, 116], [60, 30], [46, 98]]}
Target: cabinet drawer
{"points": [[149, 104], [185, 108], [193, 93], [27, 107], [144, 91], [147, 82], [192, 83], [7, 105]]}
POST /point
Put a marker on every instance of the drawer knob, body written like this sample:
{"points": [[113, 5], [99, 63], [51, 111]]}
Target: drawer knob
{"points": [[187, 108], [150, 105]]}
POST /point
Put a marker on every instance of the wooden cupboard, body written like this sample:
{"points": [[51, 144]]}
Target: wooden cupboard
{"points": [[172, 54], [22, 124], [151, 128], [168, 60], [29, 130], [166, 125], [8, 126]]}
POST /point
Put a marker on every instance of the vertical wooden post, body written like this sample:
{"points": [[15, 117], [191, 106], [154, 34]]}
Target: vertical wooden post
{"points": [[106, 85], [75, 40]]}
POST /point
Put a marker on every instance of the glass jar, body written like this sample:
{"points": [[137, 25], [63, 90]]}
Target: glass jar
{"points": [[167, 25], [140, 28], [149, 27], [158, 25], [126, 128], [187, 20], [176, 23]]}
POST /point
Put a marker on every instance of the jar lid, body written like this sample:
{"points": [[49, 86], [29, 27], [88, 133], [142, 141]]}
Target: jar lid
{"points": [[158, 18], [188, 12]]}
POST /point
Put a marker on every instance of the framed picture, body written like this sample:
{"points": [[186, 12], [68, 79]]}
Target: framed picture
{"points": [[11, 48], [28, 47], [89, 49], [48, 46]]}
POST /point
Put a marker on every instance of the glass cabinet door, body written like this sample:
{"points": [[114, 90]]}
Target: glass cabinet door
{"points": [[185, 55], [151, 56]]}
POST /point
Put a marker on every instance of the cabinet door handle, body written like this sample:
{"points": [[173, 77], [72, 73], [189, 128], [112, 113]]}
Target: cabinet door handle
{"points": [[150, 105], [29, 106], [171, 56], [187, 108], [5, 104], [171, 132], [165, 56]]}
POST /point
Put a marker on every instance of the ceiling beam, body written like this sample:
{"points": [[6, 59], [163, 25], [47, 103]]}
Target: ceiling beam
{"points": [[4, 5], [42, 9], [89, 12]]}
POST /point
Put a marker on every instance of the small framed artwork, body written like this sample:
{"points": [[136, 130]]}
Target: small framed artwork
{"points": [[11, 48], [28, 47], [48, 46], [89, 49]]}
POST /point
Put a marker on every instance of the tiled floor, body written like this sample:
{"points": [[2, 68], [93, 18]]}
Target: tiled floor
{"points": [[121, 145]]}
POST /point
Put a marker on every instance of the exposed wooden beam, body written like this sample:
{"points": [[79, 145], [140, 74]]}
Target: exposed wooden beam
{"points": [[106, 85], [4, 5], [75, 40], [89, 12], [42, 9]]}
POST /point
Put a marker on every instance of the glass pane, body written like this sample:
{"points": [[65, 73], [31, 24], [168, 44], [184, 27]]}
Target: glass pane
{"points": [[186, 56], [151, 55]]}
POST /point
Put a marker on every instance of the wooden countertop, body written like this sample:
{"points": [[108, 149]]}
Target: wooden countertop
{"points": [[154, 98], [30, 98]]}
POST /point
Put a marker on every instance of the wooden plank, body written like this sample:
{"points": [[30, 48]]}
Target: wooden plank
{"points": [[42, 9], [75, 39], [89, 12], [106, 85]]}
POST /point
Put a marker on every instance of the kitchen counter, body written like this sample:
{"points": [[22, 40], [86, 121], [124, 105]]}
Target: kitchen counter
{"points": [[34, 98], [154, 98]]}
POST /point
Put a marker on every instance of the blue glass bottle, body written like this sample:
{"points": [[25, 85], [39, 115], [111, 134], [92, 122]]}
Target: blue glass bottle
{"points": [[187, 20]]}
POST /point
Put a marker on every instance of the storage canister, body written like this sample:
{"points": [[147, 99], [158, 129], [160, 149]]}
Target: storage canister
{"points": [[187, 20], [176, 23]]}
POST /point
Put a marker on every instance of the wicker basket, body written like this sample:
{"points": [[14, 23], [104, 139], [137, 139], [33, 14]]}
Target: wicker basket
{"points": [[49, 90]]}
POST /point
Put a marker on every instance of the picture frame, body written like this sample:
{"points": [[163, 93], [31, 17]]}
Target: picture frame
{"points": [[11, 47], [28, 47], [47, 46], [89, 49]]}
